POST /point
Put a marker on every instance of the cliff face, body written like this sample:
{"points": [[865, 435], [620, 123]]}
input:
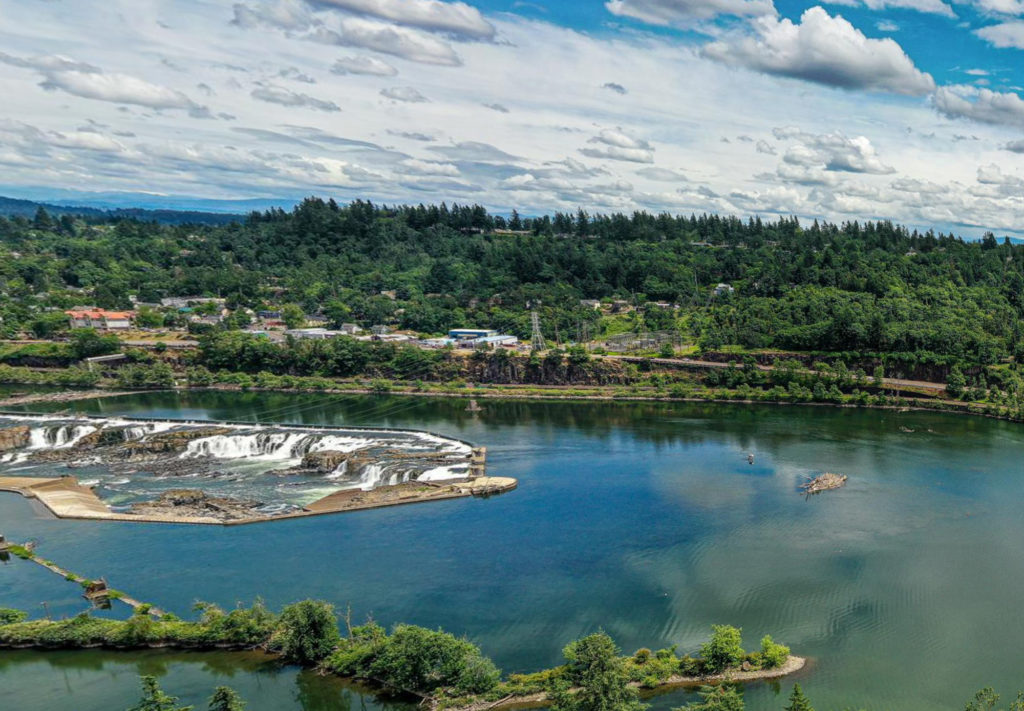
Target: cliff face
{"points": [[13, 438]]}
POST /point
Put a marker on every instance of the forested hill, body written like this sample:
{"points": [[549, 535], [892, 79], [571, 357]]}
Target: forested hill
{"points": [[14, 207], [867, 287]]}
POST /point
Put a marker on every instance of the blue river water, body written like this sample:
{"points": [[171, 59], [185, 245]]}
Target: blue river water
{"points": [[642, 519]]}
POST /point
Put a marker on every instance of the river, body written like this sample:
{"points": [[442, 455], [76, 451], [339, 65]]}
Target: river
{"points": [[644, 519]]}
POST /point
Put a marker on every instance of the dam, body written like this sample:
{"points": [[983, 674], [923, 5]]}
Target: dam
{"points": [[228, 473]]}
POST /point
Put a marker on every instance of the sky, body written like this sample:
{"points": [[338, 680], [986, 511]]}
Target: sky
{"points": [[909, 110]]}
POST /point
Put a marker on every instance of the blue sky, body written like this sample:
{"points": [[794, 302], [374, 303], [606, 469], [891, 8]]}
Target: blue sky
{"points": [[908, 110]]}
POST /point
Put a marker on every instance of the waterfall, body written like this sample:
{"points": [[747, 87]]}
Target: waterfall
{"points": [[338, 444], [259, 445], [454, 471], [371, 476], [59, 437], [340, 472]]}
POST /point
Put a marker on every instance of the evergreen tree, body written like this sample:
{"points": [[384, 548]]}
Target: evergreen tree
{"points": [[724, 697], [225, 699], [595, 667], [154, 699], [797, 700]]}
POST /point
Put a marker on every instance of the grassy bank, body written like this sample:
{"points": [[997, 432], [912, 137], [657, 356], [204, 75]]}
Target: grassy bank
{"points": [[656, 387], [444, 670]]}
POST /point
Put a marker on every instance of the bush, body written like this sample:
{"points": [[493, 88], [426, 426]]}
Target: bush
{"points": [[422, 660], [724, 648], [10, 617], [308, 632], [773, 655]]}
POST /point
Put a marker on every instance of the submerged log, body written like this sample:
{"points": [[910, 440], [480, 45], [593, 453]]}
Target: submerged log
{"points": [[823, 482]]}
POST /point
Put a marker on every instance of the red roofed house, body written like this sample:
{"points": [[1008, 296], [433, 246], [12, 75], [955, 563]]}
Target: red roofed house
{"points": [[101, 319]]}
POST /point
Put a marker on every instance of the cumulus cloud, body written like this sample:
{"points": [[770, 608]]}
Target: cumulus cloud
{"points": [[685, 12], [934, 7], [412, 135], [765, 147], [474, 151], [661, 174], [49, 63], [90, 82], [983, 105], [283, 14], [388, 39], [286, 97], [414, 166], [614, 144], [832, 152], [456, 18], [361, 64], [1004, 35], [122, 89], [825, 50], [1000, 7], [294, 74], [617, 88], [404, 93]]}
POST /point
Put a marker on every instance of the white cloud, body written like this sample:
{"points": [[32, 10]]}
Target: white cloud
{"points": [[1000, 7], [685, 12], [414, 166], [1014, 146], [388, 39], [1004, 35], [284, 14], [361, 64], [121, 89], [662, 175], [983, 105], [404, 93], [765, 147], [456, 18], [832, 152], [826, 50], [934, 7], [887, 26], [286, 97], [615, 144]]}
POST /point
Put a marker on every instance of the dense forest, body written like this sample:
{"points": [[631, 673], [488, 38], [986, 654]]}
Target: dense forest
{"points": [[866, 287]]}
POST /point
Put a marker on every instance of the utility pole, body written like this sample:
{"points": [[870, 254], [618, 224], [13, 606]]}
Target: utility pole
{"points": [[537, 338]]}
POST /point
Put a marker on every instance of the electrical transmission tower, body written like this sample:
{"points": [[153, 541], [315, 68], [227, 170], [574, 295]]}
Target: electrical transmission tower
{"points": [[537, 339]]}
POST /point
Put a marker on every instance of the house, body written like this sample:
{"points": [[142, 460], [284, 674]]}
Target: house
{"points": [[590, 303], [724, 290], [494, 341], [100, 319], [314, 334], [461, 334], [350, 329]]}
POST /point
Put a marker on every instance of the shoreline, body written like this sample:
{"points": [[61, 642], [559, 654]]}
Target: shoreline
{"points": [[541, 699]]}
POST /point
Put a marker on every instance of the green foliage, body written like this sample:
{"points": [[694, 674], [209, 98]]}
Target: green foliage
{"points": [[602, 682], [423, 661], [87, 343], [154, 699], [308, 632], [772, 654], [9, 616], [723, 650], [986, 700], [724, 697], [798, 701], [226, 699]]}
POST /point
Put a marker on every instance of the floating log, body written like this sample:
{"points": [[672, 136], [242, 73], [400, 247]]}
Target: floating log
{"points": [[823, 482]]}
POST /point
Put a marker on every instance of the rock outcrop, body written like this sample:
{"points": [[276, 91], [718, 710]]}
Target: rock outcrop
{"points": [[13, 438], [193, 502]]}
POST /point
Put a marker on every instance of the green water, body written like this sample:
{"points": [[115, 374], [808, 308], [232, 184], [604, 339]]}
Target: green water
{"points": [[644, 519]]}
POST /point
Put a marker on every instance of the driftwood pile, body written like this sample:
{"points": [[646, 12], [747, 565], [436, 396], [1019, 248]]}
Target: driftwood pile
{"points": [[823, 482]]}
